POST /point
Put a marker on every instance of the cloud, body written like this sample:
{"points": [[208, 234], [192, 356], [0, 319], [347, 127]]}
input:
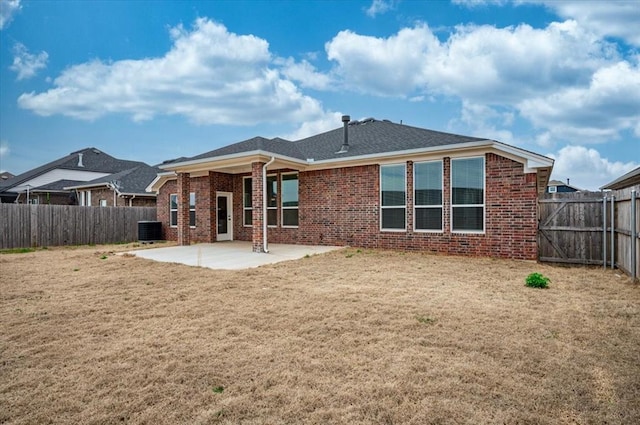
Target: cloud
{"points": [[379, 7], [606, 18], [394, 66], [586, 168], [594, 113], [565, 79], [328, 121], [305, 74], [8, 8], [483, 121], [478, 63], [27, 64], [4, 153], [210, 76]]}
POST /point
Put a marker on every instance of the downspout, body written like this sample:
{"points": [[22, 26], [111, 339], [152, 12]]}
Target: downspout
{"points": [[131, 200], [265, 245]]}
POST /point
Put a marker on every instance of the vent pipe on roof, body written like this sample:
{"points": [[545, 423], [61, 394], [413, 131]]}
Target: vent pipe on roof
{"points": [[567, 181], [80, 164], [345, 142]]}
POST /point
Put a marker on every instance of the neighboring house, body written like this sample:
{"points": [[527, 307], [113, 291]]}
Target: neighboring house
{"points": [[370, 183], [556, 186], [123, 189], [46, 184], [5, 176], [632, 178]]}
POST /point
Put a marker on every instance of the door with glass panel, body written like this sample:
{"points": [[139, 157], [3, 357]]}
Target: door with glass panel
{"points": [[224, 216]]}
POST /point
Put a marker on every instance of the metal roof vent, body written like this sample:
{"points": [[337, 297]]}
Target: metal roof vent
{"points": [[345, 141], [80, 164]]}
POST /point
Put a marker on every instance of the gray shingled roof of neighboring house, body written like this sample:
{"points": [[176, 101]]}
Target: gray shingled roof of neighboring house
{"points": [[133, 181], [627, 180], [92, 160], [366, 137], [57, 186]]}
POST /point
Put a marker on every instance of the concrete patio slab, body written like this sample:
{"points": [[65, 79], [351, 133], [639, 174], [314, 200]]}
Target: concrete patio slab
{"points": [[234, 255]]}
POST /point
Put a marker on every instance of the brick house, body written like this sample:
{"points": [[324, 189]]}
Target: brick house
{"points": [[369, 183], [124, 189], [48, 183]]}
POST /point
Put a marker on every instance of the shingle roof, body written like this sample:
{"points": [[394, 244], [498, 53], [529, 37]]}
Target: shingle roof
{"points": [[132, 181], [92, 160], [55, 186], [627, 180], [366, 137]]}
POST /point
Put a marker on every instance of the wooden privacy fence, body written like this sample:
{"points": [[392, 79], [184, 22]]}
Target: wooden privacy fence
{"points": [[599, 228], [52, 225]]}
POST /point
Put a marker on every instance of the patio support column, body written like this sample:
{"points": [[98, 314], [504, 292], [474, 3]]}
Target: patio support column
{"points": [[183, 209], [257, 210], [211, 220]]}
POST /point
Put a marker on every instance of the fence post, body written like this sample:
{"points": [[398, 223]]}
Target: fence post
{"points": [[33, 216], [604, 232], [634, 236], [613, 235]]}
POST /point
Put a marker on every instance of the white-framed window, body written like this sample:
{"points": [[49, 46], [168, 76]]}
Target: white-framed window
{"points": [[34, 201], [427, 198], [553, 189], [272, 200], [393, 197], [85, 198], [289, 199], [467, 195], [247, 201], [103, 202], [192, 209], [173, 210]]}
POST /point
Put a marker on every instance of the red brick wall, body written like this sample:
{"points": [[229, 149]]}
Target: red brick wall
{"points": [[342, 207]]}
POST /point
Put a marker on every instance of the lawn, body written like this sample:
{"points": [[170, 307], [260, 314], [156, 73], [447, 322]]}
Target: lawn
{"points": [[353, 336]]}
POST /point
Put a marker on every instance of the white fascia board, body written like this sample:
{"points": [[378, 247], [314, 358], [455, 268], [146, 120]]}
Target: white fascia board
{"points": [[160, 176], [86, 186], [533, 160]]}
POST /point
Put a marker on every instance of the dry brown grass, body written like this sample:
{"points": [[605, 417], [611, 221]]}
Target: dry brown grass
{"points": [[348, 337]]}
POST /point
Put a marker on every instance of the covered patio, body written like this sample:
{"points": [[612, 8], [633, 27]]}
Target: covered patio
{"points": [[232, 255]]}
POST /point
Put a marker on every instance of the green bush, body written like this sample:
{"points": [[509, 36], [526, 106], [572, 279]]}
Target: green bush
{"points": [[537, 280]]}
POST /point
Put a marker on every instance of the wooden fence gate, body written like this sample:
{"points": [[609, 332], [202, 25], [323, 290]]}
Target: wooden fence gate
{"points": [[595, 228]]}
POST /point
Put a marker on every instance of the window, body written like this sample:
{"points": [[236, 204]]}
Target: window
{"points": [[290, 200], [272, 200], [34, 201], [427, 184], [393, 197], [247, 201], [553, 189], [173, 210], [467, 194], [103, 202], [192, 209], [85, 198]]}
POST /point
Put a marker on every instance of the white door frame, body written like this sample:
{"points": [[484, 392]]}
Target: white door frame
{"points": [[229, 235]]}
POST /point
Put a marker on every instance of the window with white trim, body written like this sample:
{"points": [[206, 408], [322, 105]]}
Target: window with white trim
{"points": [[247, 201], [272, 200], [553, 189], [289, 200], [427, 198], [467, 194], [103, 202], [173, 210], [393, 199], [192, 209]]}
